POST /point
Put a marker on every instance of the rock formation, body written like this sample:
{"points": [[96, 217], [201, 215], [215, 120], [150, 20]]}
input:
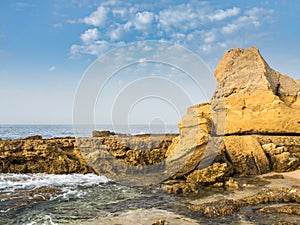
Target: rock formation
{"points": [[251, 126], [108, 155], [35, 155]]}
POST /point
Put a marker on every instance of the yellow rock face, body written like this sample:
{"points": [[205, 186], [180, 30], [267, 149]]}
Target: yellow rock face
{"points": [[257, 98]]}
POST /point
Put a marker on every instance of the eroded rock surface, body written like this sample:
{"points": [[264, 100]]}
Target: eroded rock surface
{"points": [[35, 155], [227, 207], [251, 125]]}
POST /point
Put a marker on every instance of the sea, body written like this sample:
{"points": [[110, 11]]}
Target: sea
{"points": [[50, 199], [50, 131]]}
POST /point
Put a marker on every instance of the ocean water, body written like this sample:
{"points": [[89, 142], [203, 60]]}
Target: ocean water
{"points": [[50, 131]]}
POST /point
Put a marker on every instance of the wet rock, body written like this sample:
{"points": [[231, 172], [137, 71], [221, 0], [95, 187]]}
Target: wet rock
{"points": [[160, 222], [288, 209], [231, 183], [216, 209], [285, 162], [210, 175], [181, 187], [24, 198], [275, 176], [103, 133], [35, 137], [227, 207], [246, 155]]}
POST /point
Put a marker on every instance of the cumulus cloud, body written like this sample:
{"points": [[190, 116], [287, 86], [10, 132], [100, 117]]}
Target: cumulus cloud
{"points": [[183, 17], [90, 35], [223, 14], [143, 20], [254, 17], [97, 18], [230, 28], [116, 33], [199, 26]]}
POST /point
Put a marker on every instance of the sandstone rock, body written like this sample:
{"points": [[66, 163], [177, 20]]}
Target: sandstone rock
{"points": [[213, 174], [285, 162], [103, 133], [227, 207], [231, 183], [246, 155], [132, 159], [181, 187], [251, 101], [160, 222], [58, 156], [35, 137], [257, 98], [288, 209]]}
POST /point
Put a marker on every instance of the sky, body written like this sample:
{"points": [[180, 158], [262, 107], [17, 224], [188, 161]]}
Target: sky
{"points": [[46, 48]]}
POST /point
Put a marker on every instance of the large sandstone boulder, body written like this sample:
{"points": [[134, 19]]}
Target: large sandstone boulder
{"points": [[257, 98], [252, 123]]}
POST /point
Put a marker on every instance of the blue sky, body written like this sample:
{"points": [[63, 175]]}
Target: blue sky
{"points": [[46, 46]]}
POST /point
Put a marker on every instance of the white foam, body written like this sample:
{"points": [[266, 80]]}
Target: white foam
{"points": [[10, 181]]}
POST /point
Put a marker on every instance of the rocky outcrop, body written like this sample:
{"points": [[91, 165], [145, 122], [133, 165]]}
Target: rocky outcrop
{"points": [[131, 159], [257, 98], [112, 156], [35, 155], [251, 126]]}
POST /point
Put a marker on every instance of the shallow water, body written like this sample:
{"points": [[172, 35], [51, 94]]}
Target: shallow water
{"points": [[90, 199]]}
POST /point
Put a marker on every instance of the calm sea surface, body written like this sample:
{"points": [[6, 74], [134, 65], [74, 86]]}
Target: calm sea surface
{"points": [[50, 131]]}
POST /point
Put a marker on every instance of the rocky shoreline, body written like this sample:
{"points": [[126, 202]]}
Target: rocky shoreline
{"points": [[250, 127]]}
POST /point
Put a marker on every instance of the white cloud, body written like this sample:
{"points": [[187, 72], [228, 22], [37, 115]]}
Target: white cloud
{"points": [[97, 18], [258, 15], [95, 48], [199, 26], [119, 12], [230, 28], [143, 20], [116, 34], [127, 26], [182, 17], [254, 17], [223, 14], [89, 35], [209, 37], [52, 68]]}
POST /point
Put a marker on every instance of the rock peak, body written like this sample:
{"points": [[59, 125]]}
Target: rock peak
{"points": [[242, 71]]}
